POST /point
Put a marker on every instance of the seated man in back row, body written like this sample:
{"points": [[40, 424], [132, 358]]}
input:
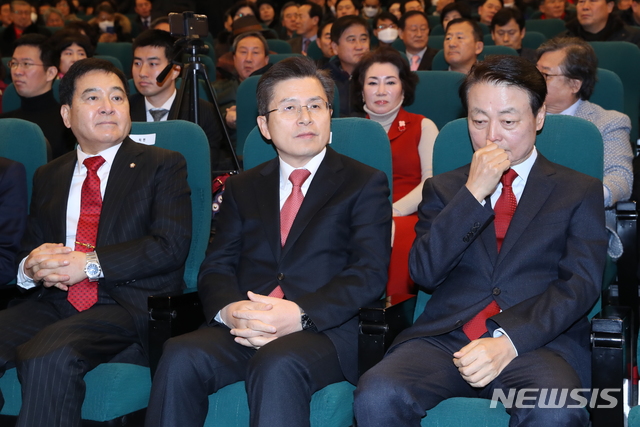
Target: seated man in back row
{"points": [[281, 287], [512, 248]]}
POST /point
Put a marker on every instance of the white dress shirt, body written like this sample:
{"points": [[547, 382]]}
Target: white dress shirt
{"points": [[167, 106]]}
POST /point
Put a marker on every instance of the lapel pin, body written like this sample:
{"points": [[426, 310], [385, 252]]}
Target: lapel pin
{"points": [[402, 126], [132, 165]]}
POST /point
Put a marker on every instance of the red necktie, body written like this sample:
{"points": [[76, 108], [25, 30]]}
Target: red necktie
{"points": [[289, 211], [504, 209], [84, 294]]}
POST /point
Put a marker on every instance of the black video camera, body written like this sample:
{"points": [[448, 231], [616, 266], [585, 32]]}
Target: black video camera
{"points": [[188, 24]]}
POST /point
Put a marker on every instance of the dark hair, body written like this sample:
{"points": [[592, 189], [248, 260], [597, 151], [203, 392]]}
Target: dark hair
{"points": [[86, 28], [507, 70], [239, 5], [461, 7], [403, 3], [315, 11], [324, 24], [477, 31], [342, 24], [158, 21], [65, 38], [484, 1], [505, 15], [403, 19], [356, 3], [47, 55], [386, 15], [82, 67], [272, 3], [580, 62], [156, 38], [72, 7], [296, 67], [383, 55], [242, 36], [105, 7]]}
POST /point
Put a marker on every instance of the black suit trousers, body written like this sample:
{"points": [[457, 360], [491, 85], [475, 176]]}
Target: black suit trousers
{"points": [[280, 377], [418, 374], [53, 347]]}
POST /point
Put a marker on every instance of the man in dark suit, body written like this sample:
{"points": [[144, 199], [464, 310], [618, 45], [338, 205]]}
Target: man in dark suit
{"points": [[281, 306], [510, 296], [507, 29], [152, 52], [21, 25], [109, 225], [413, 29], [309, 16], [13, 215]]}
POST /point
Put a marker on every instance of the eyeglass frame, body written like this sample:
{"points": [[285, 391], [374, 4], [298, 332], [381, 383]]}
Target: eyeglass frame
{"points": [[547, 75], [329, 107], [13, 65]]}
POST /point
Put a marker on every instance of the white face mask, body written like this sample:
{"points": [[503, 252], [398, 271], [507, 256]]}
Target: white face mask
{"points": [[105, 25], [370, 11], [34, 17], [388, 35]]}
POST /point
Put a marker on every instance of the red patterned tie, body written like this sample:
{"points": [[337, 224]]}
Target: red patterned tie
{"points": [[289, 211], [504, 209], [84, 294]]}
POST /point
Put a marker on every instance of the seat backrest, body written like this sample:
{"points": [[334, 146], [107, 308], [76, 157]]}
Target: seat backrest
{"points": [[279, 46], [436, 42], [11, 99], [314, 52], [23, 142], [115, 61], [190, 140], [441, 65], [549, 27], [247, 109], [608, 92], [437, 96], [277, 57], [623, 58], [121, 50], [361, 139]]}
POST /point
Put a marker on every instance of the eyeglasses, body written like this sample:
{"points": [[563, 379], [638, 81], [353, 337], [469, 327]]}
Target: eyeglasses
{"points": [[25, 65], [547, 75], [294, 110], [384, 27]]}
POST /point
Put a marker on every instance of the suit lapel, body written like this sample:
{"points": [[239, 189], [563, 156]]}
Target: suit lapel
{"points": [[63, 176], [325, 183], [121, 177], [538, 188], [138, 112], [267, 193]]}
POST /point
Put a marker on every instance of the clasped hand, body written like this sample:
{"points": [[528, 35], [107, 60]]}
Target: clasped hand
{"points": [[482, 360], [261, 319], [56, 265], [487, 166]]}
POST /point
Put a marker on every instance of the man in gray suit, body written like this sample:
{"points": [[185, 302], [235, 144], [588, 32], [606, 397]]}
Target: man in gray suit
{"points": [[109, 225], [570, 67]]}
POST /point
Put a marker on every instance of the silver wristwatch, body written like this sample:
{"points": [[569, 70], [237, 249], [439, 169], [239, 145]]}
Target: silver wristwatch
{"points": [[92, 267]]}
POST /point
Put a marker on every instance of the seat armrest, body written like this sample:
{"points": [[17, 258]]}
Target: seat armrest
{"points": [[379, 326], [171, 315], [612, 366]]}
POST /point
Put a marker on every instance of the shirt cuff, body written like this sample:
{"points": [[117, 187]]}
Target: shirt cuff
{"points": [[218, 319], [24, 281], [499, 332]]}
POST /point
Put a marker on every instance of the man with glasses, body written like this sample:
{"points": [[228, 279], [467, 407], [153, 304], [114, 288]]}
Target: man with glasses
{"points": [[303, 242], [21, 17], [570, 67], [309, 15], [385, 28], [33, 72], [414, 32]]}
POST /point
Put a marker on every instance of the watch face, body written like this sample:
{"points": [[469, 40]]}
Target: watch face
{"points": [[93, 270]]}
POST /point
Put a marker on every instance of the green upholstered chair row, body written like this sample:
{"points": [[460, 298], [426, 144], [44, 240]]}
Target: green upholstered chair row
{"points": [[279, 46], [549, 27]]}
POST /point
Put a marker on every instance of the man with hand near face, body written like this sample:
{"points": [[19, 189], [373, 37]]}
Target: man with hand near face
{"points": [[512, 248], [303, 242], [109, 226]]}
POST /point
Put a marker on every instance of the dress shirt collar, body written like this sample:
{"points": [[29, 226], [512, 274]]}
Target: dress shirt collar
{"points": [[523, 169], [109, 155], [420, 54], [312, 166], [571, 111], [167, 106]]}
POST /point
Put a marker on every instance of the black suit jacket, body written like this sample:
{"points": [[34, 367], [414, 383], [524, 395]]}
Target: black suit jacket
{"points": [[209, 122], [335, 258], [427, 59], [145, 224], [13, 215], [546, 277]]}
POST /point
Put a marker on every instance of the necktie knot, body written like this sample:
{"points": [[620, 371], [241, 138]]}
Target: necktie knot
{"points": [[508, 177], [93, 163], [299, 176], [158, 113]]}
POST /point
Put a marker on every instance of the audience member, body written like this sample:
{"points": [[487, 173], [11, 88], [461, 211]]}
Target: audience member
{"points": [[112, 26], [69, 47], [324, 43], [509, 296], [91, 275], [414, 32], [348, 7], [371, 8], [21, 25], [394, 7], [288, 20], [33, 72], [570, 67], [487, 10], [507, 29], [68, 10], [156, 101], [309, 15], [385, 28], [597, 22], [383, 85], [267, 13], [555, 9], [5, 14], [349, 40], [631, 16], [409, 5], [13, 217], [462, 44], [454, 11], [84, 28], [303, 335], [243, 8], [144, 16], [53, 18]]}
